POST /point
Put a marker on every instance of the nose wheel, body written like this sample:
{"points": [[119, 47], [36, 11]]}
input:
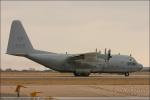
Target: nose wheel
{"points": [[126, 74], [81, 74]]}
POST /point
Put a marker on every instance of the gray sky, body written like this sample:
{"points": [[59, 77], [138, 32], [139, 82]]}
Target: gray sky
{"points": [[78, 27]]}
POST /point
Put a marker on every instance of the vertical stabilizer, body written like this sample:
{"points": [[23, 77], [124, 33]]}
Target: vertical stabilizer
{"points": [[19, 43]]}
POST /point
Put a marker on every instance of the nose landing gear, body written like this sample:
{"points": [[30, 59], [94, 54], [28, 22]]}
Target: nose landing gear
{"points": [[126, 74], [81, 74]]}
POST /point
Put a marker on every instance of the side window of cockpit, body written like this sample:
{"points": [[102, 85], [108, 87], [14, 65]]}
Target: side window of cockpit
{"points": [[131, 63]]}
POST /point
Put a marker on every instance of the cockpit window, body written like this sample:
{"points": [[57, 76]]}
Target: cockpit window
{"points": [[131, 61]]}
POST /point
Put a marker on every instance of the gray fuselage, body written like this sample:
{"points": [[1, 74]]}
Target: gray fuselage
{"points": [[93, 63]]}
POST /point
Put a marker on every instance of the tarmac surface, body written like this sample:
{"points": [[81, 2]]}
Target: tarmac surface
{"points": [[47, 78], [64, 86]]}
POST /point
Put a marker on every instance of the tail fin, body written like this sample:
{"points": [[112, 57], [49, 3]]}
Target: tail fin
{"points": [[19, 43]]}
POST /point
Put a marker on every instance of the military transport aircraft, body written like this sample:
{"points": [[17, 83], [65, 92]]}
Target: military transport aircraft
{"points": [[79, 64]]}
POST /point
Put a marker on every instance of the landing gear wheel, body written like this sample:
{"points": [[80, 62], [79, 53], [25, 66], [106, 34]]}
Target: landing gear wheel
{"points": [[85, 74], [126, 74], [76, 74], [81, 74]]}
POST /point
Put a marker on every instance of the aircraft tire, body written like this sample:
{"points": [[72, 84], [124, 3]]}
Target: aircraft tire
{"points": [[76, 74], [126, 74], [81, 74]]}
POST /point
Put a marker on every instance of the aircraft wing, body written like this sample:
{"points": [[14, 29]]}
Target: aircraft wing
{"points": [[83, 57]]}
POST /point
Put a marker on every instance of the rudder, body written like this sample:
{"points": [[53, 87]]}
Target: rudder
{"points": [[19, 43]]}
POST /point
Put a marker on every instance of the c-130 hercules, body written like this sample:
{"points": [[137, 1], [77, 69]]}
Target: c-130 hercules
{"points": [[79, 64]]}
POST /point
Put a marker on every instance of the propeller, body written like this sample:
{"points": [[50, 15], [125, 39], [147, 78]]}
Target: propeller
{"points": [[99, 51], [105, 54], [105, 51], [96, 50], [109, 54]]}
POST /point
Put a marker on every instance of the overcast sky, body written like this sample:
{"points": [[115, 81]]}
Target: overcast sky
{"points": [[78, 27]]}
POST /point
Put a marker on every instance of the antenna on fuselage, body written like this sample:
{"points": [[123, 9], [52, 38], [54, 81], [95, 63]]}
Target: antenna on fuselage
{"points": [[130, 55]]}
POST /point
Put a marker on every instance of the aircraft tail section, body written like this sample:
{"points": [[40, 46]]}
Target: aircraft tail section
{"points": [[19, 43]]}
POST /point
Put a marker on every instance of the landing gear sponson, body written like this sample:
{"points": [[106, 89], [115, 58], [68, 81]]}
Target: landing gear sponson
{"points": [[87, 74]]}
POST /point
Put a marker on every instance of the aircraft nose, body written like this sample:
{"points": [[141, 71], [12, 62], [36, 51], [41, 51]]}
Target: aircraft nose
{"points": [[140, 66]]}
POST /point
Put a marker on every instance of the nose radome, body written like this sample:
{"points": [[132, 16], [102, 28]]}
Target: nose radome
{"points": [[140, 66]]}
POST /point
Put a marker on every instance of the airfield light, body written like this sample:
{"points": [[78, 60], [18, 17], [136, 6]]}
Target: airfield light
{"points": [[18, 87], [34, 94]]}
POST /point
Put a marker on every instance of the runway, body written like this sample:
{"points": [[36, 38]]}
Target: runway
{"points": [[80, 98], [79, 90], [47, 78], [66, 85]]}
